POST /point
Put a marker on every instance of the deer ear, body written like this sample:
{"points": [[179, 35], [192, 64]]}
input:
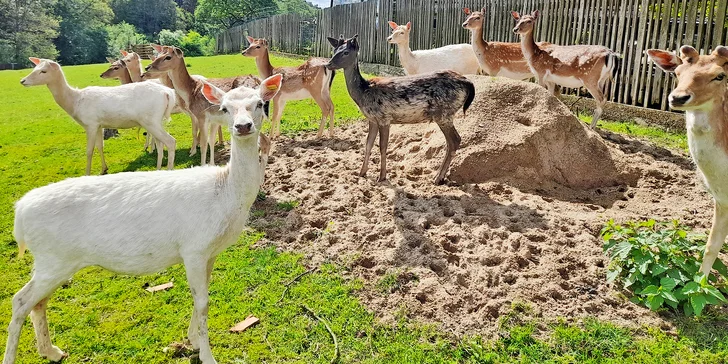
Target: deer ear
{"points": [[123, 52], [535, 14], [409, 25], [334, 42], [721, 51], [110, 60], [178, 52], [393, 25], [466, 11], [688, 54], [270, 87], [250, 39], [515, 15], [667, 61], [483, 10], [157, 47], [213, 94]]}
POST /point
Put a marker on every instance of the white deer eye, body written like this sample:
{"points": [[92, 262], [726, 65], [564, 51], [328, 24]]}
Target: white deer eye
{"points": [[224, 109]]}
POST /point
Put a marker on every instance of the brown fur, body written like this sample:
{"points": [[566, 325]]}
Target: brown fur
{"points": [[311, 76]]}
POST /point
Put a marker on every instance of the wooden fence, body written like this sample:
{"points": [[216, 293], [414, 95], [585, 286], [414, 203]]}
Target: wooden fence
{"points": [[627, 26]]}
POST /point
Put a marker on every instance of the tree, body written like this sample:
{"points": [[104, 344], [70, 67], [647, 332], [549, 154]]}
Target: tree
{"points": [[82, 36], [27, 28], [296, 6], [122, 36], [149, 16], [216, 15]]}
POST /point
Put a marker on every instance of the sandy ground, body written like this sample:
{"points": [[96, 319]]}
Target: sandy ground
{"points": [[517, 220]]}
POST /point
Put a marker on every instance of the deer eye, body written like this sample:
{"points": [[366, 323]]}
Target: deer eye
{"points": [[346, 53], [720, 77], [257, 47], [224, 109], [42, 71], [168, 58]]}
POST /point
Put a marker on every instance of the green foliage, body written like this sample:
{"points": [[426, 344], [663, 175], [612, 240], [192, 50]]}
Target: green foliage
{"points": [[149, 16], [171, 38], [122, 36], [216, 15], [287, 205], [659, 263], [302, 7], [194, 44], [27, 29]]}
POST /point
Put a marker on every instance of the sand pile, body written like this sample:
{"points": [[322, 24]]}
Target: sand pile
{"points": [[460, 253]]}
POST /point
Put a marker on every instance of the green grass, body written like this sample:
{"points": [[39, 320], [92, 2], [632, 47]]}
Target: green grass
{"points": [[653, 134], [101, 317]]}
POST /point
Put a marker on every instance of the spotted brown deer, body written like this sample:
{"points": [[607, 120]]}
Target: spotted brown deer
{"points": [[702, 92], [202, 112], [496, 58], [309, 80], [433, 97], [589, 66]]}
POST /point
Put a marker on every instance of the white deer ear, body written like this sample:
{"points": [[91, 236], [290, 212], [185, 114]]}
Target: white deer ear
{"points": [[515, 15], [123, 52], [409, 25], [213, 94], [35, 61], [250, 39], [393, 25], [667, 61], [270, 87]]}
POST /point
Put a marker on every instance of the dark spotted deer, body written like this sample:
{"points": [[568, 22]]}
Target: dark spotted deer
{"points": [[702, 92], [434, 97], [589, 66]]}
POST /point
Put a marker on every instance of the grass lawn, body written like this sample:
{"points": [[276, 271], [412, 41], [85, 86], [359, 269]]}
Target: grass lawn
{"points": [[101, 317]]}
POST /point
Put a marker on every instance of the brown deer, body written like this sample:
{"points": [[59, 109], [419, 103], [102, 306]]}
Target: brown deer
{"points": [[309, 80], [188, 88], [496, 58], [589, 66], [433, 97], [702, 92]]}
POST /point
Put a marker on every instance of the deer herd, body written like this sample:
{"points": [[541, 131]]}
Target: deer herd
{"points": [[147, 221]]}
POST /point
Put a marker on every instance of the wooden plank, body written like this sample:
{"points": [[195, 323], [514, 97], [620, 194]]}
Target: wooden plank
{"points": [[720, 37]]}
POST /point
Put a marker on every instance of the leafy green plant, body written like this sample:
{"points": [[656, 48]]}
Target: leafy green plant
{"points": [[659, 264], [287, 205]]}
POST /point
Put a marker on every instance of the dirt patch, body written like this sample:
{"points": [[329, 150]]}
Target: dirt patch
{"points": [[460, 253]]}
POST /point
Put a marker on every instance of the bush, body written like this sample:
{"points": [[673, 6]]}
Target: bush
{"points": [[193, 44], [122, 36], [659, 264]]}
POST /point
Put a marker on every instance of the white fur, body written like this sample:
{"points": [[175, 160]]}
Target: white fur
{"points": [[710, 158], [140, 223], [455, 57], [143, 104]]}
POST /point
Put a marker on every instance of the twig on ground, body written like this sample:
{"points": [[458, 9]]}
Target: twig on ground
{"points": [[288, 285], [328, 328]]}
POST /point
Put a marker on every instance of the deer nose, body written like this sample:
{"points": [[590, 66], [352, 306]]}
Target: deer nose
{"points": [[515, 30], [22, 82], [679, 100], [465, 24], [148, 67], [243, 129]]}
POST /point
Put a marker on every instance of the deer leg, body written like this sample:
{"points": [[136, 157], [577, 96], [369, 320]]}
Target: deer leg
{"points": [[198, 280], [326, 96], [193, 333], [383, 143], [211, 143], [275, 124], [100, 148], [373, 129], [718, 232], [195, 136], [161, 137], [91, 134], [42, 336], [220, 137], [320, 101], [203, 141], [599, 99], [453, 143]]}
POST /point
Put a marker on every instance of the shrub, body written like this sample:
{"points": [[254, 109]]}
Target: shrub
{"points": [[193, 44], [659, 264], [122, 36]]}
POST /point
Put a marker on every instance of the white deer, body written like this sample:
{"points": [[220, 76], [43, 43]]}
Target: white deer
{"points": [[702, 92], [455, 57], [143, 222], [142, 104]]}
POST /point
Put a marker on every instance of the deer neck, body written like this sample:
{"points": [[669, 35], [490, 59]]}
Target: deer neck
{"points": [[711, 122], [125, 78], [528, 46], [406, 57], [136, 72], [476, 39], [265, 69], [182, 82], [64, 94], [243, 170], [355, 83]]}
